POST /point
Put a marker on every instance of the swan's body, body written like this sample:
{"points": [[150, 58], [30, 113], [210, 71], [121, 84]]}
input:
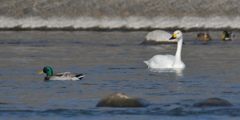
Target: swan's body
{"points": [[60, 76], [168, 61], [158, 37], [162, 61]]}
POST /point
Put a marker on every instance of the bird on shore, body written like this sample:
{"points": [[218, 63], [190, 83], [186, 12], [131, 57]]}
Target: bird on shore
{"points": [[168, 61], [59, 76]]}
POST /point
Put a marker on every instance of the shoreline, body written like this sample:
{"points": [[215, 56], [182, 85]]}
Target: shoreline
{"points": [[134, 23], [116, 29]]}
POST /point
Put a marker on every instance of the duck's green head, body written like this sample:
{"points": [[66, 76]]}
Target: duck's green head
{"points": [[47, 70]]}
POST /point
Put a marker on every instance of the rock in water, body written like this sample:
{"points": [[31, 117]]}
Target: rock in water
{"points": [[121, 100], [213, 102]]}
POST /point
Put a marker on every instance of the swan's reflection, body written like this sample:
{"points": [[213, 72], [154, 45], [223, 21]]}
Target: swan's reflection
{"points": [[178, 71]]}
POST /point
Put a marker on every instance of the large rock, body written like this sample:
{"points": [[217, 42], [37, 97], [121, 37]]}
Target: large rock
{"points": [[213, 102], [121, 100]]}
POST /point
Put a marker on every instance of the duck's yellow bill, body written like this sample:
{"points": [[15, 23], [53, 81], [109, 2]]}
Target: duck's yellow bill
{"points": [[40, 72]]}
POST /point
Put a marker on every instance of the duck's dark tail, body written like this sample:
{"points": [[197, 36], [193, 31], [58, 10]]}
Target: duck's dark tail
{"points": [[80, 76]]}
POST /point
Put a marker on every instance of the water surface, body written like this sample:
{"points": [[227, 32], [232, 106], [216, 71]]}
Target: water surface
{"points": [[113, 62]]}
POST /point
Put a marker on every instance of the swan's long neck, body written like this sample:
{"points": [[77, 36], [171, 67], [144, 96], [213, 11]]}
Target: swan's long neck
{"points": [[179, 50]]}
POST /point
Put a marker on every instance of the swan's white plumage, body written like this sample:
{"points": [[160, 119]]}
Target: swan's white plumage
{"points": [[160, 61], [168, 61], [159, 36]]}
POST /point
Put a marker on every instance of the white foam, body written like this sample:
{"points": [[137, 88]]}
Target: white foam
{"points": [[130, 22]]}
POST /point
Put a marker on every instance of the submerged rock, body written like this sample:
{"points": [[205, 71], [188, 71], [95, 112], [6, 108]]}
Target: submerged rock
{"points": [[121, 100], [178, 111], [213, 102]]}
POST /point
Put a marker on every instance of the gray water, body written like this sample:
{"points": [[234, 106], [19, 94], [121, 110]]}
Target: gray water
{"points": [[119, 14], [113, 62]]}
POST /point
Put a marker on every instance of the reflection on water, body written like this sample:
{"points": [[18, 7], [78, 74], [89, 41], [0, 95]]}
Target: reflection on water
{"points": [[178, 71], [112, 62]]}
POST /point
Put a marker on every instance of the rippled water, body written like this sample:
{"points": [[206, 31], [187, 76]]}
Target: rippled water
{"points": [[113, 62]]}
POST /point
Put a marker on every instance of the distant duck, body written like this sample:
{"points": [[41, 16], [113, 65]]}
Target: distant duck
{"points": [[168, 61], [205, 37], [59, 76], [226, 36], [158, 37]]}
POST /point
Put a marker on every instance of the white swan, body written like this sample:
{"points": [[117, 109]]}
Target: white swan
{"points": [[168, 61], [158, 37]]}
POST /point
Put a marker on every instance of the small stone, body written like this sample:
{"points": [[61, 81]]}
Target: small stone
{"points": [[121, 100], [213, 102]]}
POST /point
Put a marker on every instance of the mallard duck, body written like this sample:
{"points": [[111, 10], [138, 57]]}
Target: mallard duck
{"points": [[59, 76], [205, 37], [226, 36]]}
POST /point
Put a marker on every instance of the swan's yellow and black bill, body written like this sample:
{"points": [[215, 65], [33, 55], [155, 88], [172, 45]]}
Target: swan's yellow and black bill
{"points": [[174, 36], [40, 72]]}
